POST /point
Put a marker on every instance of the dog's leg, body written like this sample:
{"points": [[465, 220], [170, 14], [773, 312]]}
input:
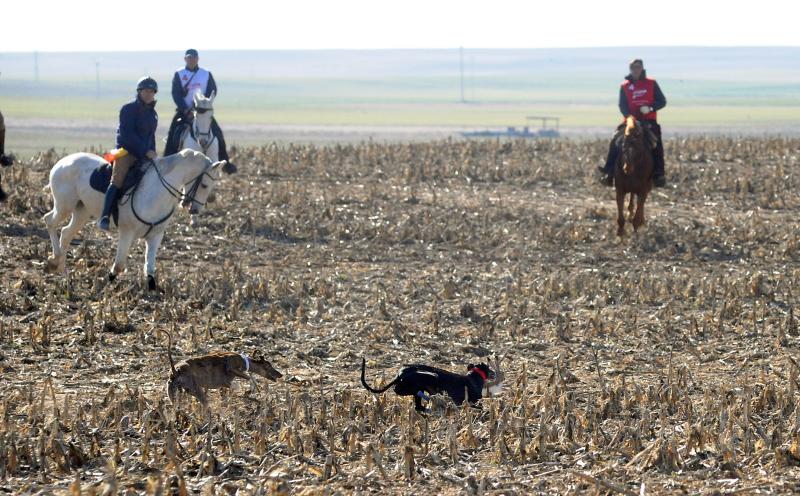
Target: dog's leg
{"points": [[240, 374], [202, 397], [418, 403]]}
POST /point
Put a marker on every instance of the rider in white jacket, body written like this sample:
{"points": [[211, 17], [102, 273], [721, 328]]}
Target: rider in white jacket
{"points": [[187, 81]]}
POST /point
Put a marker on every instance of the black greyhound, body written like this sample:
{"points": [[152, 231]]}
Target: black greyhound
{"points": [[417, 380]]}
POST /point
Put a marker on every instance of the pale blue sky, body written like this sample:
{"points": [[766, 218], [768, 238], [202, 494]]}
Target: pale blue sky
{"points": [[93, 25]]}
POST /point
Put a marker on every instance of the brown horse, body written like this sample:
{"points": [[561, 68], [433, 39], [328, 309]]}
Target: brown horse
{"points": [[633, 174]]}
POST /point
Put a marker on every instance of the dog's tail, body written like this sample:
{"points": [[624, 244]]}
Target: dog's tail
{"points": [[364, 379], [169, 350]]}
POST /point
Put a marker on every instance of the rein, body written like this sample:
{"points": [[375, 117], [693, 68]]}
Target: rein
{"points": [[194, 131], [172, 190]]}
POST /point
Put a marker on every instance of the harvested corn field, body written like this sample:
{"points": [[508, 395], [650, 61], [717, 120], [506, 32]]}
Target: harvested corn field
{"points": [[662, 362]]}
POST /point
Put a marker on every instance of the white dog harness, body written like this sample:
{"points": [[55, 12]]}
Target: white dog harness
{"points": [[246, 361]]}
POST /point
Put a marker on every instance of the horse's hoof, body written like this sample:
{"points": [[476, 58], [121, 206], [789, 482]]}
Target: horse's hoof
{"points": [[229, 167], [112, 277], [151, 283], [3, 196]]}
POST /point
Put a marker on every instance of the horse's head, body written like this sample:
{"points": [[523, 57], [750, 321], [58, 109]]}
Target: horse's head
{"points": [[203, 114], [201, 103], [632, 145], [200, 183]]}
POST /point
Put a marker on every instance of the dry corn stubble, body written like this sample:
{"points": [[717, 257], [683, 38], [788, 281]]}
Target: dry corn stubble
{"points": [[667, 359]]}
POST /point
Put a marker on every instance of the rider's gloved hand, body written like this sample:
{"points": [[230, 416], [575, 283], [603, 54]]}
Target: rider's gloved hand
{"points": [[645, 109]]}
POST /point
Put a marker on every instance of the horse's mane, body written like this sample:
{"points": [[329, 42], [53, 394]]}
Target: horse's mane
{"points": [[166, 164], [630, 124]]}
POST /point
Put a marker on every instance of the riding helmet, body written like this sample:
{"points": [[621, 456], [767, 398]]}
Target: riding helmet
{"points": [[147, 83]]}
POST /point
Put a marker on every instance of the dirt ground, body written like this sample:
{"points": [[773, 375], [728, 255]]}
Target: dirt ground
{"points": [[661, 363]]}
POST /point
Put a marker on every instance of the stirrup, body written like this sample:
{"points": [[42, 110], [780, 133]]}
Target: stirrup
{"points": [[607, 180]]}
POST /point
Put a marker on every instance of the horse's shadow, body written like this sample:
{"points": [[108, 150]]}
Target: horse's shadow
{"points": [[19, 231]]}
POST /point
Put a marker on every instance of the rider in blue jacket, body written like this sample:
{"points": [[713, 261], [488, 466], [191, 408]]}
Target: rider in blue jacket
{"points": [[138, 121]]}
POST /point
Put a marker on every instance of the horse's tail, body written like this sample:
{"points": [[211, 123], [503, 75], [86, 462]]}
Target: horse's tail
{"points": [[364, 380]]}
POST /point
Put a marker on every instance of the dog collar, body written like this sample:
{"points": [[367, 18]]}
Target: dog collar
{"points": [[246, 361], [479, 372]]}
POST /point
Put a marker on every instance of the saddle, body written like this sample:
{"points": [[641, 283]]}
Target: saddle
{"points": [[101, 178]]}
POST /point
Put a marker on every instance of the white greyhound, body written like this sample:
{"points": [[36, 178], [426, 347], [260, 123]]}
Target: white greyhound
{"points": [[146, 213]]}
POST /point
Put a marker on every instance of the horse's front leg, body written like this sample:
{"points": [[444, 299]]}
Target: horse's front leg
{"points": [[631, 205], [151, 248], [638, 219], [126, 238], [620, 213]]}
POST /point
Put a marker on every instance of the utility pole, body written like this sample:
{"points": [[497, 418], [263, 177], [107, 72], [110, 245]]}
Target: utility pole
{"points": [[97, 78], [472, 77], [461, 70]]}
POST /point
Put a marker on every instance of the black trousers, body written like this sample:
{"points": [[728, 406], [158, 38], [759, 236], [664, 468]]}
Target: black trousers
{"points": [[176, 128], [658, 153]]}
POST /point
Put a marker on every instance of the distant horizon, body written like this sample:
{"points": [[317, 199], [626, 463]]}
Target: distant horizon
{"points": [[71, 99]]}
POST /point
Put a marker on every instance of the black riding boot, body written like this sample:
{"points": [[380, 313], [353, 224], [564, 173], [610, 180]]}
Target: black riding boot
{"points": [[611, 161], [171, 146], [111, 196], [229, 167], [659, 180], [223, 149]]}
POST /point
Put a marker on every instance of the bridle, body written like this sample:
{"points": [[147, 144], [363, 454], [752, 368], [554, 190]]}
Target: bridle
{"points": [[189, 196], [207, 137]]}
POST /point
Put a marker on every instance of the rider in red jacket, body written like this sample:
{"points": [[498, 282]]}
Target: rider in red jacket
{"points": [[640, 97]]}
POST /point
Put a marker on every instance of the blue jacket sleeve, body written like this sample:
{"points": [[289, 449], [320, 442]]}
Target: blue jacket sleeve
{"points": [[177, 92], [211, 87], [660, 99], [126, 135]]}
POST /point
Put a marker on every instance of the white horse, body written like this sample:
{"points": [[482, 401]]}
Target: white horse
{"points": [[200, 136], [145, 213]]}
